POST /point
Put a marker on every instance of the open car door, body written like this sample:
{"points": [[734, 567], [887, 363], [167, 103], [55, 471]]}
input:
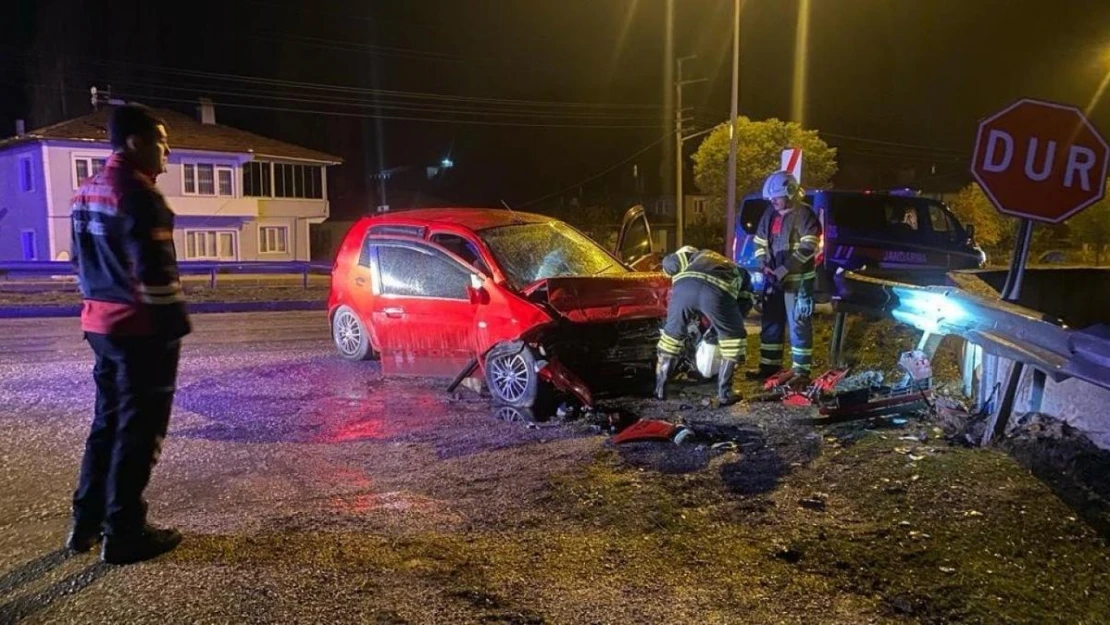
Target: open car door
{"points": [[634, 244]]}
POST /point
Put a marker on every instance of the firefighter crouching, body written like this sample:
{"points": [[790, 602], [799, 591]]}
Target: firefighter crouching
{"points": [[786, 244], [705, 282]]}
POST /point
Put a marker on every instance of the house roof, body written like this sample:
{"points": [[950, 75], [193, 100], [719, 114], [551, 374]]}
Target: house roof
{"points": [[185, 133]]}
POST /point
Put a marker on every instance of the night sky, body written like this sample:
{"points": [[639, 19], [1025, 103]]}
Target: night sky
{"points": [[529, 97]]}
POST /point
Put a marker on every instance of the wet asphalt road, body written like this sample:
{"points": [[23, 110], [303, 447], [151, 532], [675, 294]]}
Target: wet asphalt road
{"points": [[272, 435], [285, 467]]}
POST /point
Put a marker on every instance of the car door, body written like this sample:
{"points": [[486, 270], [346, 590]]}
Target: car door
{"points": [[634, 244], [421, 311], [949, 235]]}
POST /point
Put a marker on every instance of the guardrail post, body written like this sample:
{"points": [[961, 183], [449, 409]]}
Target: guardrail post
{"points": [[304, 276], [836, 347], [212, 278]]}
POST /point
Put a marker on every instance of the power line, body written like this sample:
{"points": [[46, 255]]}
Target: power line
{"points": [[472, 122], [414, 95], [599, 174], [911, 146], [485, 111]]}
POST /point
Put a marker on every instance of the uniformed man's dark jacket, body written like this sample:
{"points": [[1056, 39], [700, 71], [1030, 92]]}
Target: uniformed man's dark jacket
{"points": [[124, 255]]}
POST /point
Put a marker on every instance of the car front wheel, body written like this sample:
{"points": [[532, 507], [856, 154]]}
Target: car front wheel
{"points": [[350, 335], [511, 375]]}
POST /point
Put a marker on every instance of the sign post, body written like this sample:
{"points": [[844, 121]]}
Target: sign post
{"points": [[792, 162], [1038, 161]]}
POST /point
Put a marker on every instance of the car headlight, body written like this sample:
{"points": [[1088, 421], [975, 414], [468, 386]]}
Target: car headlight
{"points": [[982, 258]]}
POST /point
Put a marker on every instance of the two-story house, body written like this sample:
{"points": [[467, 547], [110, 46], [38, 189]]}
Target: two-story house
{"points": [[238, 196]]}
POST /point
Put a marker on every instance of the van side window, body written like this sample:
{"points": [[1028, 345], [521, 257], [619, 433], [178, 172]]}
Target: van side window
{"points": [[939, 219]]}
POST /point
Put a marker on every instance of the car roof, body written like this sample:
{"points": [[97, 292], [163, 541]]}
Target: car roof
{"points": [[472, 218]]}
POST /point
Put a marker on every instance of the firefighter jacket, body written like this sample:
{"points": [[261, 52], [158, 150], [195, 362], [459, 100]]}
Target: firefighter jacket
{"points": [[124, 256], [689, 263], [790, 241]]}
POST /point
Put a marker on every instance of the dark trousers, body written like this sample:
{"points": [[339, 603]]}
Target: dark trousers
{"points": [[690, 297], [778, 315], [135, 380]]}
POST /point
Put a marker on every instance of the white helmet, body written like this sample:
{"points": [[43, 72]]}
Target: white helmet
{"points": [[781, 184]]}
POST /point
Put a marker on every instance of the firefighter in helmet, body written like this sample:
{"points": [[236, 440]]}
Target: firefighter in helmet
{"points": [[786, 242], [705, 283]]}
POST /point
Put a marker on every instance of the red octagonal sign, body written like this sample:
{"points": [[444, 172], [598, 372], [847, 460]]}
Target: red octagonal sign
{"points": [[1039, 160]]}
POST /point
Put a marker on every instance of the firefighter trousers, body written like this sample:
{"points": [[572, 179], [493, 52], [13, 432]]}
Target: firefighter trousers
{"points": [[690, 297], [778, 314], [135, 378]]}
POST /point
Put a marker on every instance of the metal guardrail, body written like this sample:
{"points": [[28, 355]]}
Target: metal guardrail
{"points": [[10, 269], [1000, 328]]}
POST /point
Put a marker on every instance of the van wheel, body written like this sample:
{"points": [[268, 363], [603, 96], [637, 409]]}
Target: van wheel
{"points": [[350, 335], [511, 375]]}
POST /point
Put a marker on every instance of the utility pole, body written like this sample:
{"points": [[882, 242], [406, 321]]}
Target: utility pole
{"points": [[730, 203], [680, 216]]}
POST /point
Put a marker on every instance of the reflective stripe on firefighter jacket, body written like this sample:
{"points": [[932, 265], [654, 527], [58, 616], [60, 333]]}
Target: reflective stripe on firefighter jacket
{"points": [[793, 246]]}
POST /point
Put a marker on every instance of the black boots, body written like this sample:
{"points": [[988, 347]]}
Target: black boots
{"points": [[724, 383], [82, 539], [662, 372], [149, 542]]}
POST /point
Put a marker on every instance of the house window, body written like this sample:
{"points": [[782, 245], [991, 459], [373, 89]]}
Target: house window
{"points": [[224, 185], [26, 175], [30, 250], [256, 180], [273, 240], [210, 245], [206, 179], [85, 167], [262, 179]]}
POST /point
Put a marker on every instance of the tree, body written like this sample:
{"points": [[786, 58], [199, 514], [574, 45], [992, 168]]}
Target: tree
{"points": [[993, 230], [758, 154], [1092, 228]]}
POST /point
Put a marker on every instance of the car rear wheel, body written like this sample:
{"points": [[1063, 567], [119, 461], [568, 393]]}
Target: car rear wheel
{"points": [[350, 335], [511, 375]]}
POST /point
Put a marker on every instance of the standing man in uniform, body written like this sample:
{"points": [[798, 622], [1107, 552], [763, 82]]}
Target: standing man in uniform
{"points": [[133, 316], [786, 243], [705, 283]]}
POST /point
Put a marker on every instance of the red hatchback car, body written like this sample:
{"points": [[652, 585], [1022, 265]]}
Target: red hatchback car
{"points": [[527, 300]]}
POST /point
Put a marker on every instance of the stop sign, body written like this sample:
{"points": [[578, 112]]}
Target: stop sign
{"points": [[1040, 160]]}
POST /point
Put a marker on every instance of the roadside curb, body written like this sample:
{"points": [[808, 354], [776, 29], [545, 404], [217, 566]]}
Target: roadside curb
{"points": [[29, 312]]}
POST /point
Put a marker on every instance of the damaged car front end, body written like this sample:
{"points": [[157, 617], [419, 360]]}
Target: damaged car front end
{"points": [[528, 304]]}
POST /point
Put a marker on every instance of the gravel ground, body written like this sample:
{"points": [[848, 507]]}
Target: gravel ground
{"points": [[312, 490]]}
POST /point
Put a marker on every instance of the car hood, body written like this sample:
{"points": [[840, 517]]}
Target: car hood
{"points": [[586, 299]]}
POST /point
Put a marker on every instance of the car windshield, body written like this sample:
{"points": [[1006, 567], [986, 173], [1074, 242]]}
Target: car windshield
{"points": [[530, 252]]}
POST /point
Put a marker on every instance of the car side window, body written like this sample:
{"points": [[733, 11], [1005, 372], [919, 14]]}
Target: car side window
{"points": [[463, 248], [412, 272]]}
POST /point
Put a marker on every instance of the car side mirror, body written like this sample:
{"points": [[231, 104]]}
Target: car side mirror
{"points": [[475, 292]]}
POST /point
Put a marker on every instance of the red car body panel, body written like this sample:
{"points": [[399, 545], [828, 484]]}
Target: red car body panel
{"points": [[586, 299], [430, 336]]}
